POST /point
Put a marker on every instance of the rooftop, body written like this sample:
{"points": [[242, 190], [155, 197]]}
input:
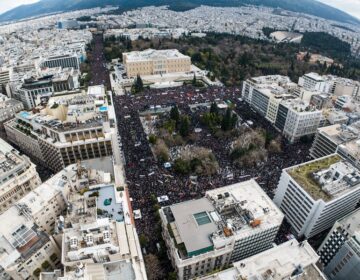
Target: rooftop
{"points": [[326, 178], [201, 225], [341, 133], [314, 76], [289, 259], [11, 162], [151, 54], [351, 222]]}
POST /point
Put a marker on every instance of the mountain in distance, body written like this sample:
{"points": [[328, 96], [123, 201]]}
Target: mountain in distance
{"points": [[311, 7]]}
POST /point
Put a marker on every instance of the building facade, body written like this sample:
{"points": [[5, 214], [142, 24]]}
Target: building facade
{"points": [[343, 139], [18, 176], [155, 62], [67, 130], [278, 100], [315, 194]]}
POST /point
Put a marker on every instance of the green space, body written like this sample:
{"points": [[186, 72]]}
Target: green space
{"points": [[303, 175], [234, 58]]}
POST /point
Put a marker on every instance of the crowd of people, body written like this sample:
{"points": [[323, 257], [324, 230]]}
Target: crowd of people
{"points": [[98, 71], [148, 178]]}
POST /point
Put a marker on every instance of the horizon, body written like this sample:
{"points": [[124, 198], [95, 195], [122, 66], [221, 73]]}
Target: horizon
{"points": [[352, 7]]}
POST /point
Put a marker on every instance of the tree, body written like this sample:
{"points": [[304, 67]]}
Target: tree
{"points": [[152, 139], [194, 80], [182, 166], [226, 121], [174, 113], [214, 109], [172, 276], [143, 240], [138, 85], [184, 126], [153, 267]]}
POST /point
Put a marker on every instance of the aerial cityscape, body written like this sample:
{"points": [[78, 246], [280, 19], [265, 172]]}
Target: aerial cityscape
{"points": [[210, 140]]}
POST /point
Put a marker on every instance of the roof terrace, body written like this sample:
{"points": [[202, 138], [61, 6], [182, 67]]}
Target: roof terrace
{"points": [[326, 178]]}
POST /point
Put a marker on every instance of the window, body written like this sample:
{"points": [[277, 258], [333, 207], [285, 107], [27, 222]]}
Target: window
{"points": [[202, 218]]}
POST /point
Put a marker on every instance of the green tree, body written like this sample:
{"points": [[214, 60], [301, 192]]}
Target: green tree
{"points": [[184, 126], [214, 109], [194, 80], [226, 121], [138, 85], [152, 139], [174, 113], [181, 166]]}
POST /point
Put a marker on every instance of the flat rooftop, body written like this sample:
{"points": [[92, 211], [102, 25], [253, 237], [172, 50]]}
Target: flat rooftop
{"points": [[351, 222], [151, 54], [314, 76], [289, 259], [238, 209], [340, 134], [10, 161], [326, 178]]}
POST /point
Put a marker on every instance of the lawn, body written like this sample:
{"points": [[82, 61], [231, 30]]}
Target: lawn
{"points": [[303, 176]]}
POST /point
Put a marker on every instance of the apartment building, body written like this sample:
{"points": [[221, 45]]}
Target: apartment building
{"points": [[8, 108], [33, 90], [341, 234], [345, 264], [63, 61], [330, 84], [155, 62], [313, 195], [290, 260], [18, 176], [314, 82], [276, 98], [29, 230], [26, 249], [68, 129], [98, 236], [301, 120], [4, 79], [27, 227], [227, 225], [345, 140]]}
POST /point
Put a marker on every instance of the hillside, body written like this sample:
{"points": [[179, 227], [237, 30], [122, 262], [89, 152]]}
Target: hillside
{"points": [[311, 7]]}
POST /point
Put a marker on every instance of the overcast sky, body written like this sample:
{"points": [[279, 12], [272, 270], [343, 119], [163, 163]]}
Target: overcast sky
{"points": [[9, 4], [350, 6]]}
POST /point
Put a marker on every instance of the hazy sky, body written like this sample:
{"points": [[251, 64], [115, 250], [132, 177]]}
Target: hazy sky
{"points": [[9, 4], [350, 6]]}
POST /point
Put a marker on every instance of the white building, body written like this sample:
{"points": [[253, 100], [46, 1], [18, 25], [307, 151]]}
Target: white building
{"points": [[345, 140], [68, 129], [343, 230], [315, 194], [26, 228], [290, 260], [277, 99], [18, 176], [98, 235], [26, 249], [155, 62], [314, 82], [229, 224], [8, 108]]}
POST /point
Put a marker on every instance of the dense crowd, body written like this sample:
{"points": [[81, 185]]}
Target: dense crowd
{"points": [[147, 178], [98, 71]]}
